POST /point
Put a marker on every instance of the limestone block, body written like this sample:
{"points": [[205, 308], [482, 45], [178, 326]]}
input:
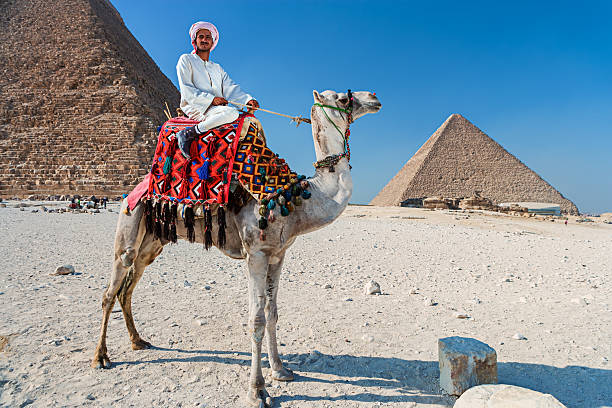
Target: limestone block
{"points": [[505, 396], [464, 363]]}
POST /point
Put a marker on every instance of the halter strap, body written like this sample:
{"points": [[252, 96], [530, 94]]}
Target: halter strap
{"points": [[332, 160], [328, 118], [332, 107]]}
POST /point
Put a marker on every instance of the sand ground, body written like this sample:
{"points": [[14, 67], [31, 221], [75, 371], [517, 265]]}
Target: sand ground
{"points": [[548, 281]]}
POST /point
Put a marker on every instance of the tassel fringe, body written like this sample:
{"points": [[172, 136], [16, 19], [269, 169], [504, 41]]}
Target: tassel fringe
{"points": [[189, 224], [173, 216], [167, 216], [207, 228], [158, 220], [221, 232], [161, 218], [149, 216]]}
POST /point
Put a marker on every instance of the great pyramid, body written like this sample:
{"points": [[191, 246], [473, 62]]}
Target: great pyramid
{"points": [[80, 99], [459, 160]]}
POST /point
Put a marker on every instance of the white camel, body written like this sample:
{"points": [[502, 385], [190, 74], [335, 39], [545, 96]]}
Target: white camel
{"points": [[331, 189]]}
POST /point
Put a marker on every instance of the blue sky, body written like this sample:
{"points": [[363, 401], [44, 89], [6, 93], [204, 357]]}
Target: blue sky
{"points": [[535, 76]]}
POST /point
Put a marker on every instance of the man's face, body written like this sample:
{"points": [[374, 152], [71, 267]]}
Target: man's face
{"points": [[204, 40]]}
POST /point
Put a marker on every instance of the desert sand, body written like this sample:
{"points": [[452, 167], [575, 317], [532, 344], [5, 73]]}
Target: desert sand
{"points": [[546, 281]]}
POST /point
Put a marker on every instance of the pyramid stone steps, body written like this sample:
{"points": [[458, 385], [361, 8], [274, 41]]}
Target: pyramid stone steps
{"points": [[74, 121]]}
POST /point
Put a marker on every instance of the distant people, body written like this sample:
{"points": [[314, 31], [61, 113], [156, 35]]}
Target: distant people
{"points": [[104, 200], [75, 203], [206, 87]]}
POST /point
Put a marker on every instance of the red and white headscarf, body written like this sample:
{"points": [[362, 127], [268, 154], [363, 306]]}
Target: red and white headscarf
{"points": [[193, 32]]}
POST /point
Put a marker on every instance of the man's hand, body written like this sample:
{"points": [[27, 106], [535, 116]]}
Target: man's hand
{"points": [[219, 101], [253, 105]]}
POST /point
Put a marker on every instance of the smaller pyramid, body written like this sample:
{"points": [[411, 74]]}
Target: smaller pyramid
{"points": [[459, 160]]}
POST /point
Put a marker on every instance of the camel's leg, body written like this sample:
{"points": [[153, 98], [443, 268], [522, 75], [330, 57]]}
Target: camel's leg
{"points": [[149, 250], [279, 372], [129, 235], [101, 359], [258, 270]]}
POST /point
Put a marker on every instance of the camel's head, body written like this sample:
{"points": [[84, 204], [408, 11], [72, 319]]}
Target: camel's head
{"points": [[333, 141], [363, 102]]}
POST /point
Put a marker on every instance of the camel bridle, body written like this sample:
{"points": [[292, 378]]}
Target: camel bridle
{"points": [[331, 160]]}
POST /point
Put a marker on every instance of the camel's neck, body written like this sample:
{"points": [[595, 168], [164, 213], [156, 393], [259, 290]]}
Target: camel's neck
{"points": [[331, 191]]}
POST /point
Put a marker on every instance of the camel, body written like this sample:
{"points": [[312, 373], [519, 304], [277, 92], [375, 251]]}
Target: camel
{"points": [[331, 189]]}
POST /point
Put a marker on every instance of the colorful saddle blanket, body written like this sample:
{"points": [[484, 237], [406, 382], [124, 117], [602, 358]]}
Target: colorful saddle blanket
{"points": [[216, 155], [202, 180], [235, 151], [258, 169]]}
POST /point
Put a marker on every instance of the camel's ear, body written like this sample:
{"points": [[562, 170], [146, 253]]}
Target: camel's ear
{"points": [[317, 96]]}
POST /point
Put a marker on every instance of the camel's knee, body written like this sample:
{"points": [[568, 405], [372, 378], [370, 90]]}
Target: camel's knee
{"points": [[107, 299], [127, 257]]}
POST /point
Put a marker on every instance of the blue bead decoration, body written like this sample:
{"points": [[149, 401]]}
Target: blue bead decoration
{"points": [[306, 194], [284, 211], [271, 204]]}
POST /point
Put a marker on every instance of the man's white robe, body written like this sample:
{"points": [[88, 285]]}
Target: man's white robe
{"points": [[200, 81]]}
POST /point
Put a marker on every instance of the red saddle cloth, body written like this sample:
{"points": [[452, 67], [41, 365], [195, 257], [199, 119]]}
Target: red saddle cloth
{"points": [[204, 179]]}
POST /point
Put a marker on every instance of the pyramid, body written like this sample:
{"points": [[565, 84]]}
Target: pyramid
{"points": [[459, 160], [80, 99]]}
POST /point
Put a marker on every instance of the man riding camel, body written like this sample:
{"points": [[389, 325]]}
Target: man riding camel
{"points": [[205, 87]]}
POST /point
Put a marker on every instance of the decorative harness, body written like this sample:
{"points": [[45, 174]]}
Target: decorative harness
{"points": [[331, 160]]}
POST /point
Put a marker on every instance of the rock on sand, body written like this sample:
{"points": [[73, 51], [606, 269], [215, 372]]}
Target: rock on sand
{"points": [[64, 270], [505, 396]]}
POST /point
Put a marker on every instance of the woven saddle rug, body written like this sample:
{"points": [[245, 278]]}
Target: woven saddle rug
{"points": [[236, 151], [202, 180]]}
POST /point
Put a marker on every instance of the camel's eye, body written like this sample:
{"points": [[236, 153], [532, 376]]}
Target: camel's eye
{"points": [[343, 101]]}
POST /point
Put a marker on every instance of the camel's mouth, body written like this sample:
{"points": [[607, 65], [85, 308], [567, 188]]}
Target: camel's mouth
{"points": [[372, 107]]}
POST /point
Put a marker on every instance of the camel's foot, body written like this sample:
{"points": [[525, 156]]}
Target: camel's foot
{"points": [[140, 344], [259, 398], [101, 360], [284, 374]]}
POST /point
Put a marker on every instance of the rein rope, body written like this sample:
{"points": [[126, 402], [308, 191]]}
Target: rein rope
{"points": [[297, 119]]}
